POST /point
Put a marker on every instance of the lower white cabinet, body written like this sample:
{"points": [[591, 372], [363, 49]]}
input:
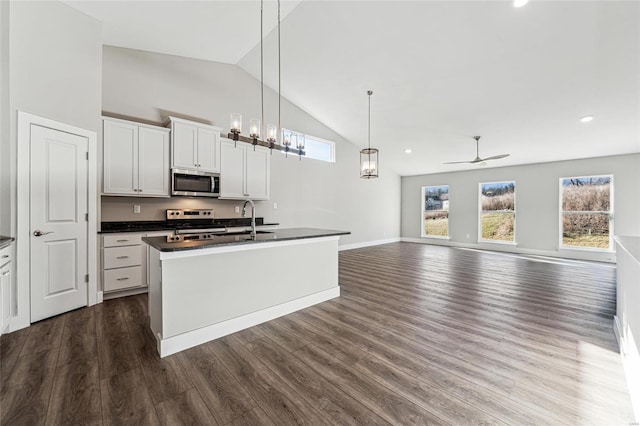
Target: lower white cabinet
{"points": [[5, 288], [124, 263], [245, 171], [125, 260]]}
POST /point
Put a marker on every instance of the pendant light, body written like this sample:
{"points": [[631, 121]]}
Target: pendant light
{"points": [[256, 126], [369, 156]]}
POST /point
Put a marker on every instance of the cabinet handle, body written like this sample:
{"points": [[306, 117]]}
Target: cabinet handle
{"points": [[122, 279], [4, 256], [122, 257], [121, 241], [4, 274]]}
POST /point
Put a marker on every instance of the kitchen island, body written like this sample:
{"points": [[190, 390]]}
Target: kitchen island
{"points": [[202, 290]]}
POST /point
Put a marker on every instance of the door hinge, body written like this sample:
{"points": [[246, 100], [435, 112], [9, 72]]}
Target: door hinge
{"points": [[86, 217], [87, 155], [86, 278]]}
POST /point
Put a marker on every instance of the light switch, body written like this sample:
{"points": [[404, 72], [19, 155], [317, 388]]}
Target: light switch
{"points": [[136, 208], [237, 209], [275, 206]]}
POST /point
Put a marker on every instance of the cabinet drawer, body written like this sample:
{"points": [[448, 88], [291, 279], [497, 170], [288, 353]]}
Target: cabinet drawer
{"points": [[120, 240], [120, 257], [118, 279], [5, 255]]}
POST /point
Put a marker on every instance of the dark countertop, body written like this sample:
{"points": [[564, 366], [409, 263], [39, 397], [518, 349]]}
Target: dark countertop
{"points": [[160, 243], [170, 225], [5, 241]]}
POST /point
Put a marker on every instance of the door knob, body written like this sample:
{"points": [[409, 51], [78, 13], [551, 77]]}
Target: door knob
{"points": [[39, 233]]}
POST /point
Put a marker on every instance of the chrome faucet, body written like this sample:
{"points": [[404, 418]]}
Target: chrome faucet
{"points": [[253, 215]]}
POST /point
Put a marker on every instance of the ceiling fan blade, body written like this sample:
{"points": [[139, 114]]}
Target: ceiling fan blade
{"points": [[495, 157], [459, 162]]}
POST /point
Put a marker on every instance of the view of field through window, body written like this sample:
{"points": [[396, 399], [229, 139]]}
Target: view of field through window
{"points": [[586, 211], [436, 211], [498, 207]]}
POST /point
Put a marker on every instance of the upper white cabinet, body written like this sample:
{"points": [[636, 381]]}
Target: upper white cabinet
{"points": [[136, 159], [194, 146], [244, 173]]}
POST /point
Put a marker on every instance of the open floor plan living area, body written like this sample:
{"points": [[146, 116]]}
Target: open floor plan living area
{"points": [[350, 212]]}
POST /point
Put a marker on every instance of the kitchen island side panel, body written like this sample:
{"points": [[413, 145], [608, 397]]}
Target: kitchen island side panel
{"points": [[201, 290]]}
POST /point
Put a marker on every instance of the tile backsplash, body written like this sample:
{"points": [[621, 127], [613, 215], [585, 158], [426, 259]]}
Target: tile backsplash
{"points": [[115, 209]]}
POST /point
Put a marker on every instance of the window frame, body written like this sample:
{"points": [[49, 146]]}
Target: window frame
{"points": [[423, 210], [515, 215], [611, 247], [331, 144]]}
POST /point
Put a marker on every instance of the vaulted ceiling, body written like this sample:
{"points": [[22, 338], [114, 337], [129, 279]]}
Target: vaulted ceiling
{"points": [[441, 71]]}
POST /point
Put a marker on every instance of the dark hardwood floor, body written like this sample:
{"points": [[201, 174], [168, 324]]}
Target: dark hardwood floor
{"points": [[421, 334]]}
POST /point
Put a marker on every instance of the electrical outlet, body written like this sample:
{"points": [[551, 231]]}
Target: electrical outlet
{"points": [[468, 236], [237, 209], [275, 206], [136, 208]]}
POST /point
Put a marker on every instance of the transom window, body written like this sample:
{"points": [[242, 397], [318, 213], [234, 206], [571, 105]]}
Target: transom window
{"points": [[317, 148], [586, 212], [498, 211], [435, 211]]}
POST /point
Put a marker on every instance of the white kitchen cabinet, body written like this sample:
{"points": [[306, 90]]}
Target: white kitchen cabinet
{"points": [[194, 146], [124, 263], [5, 288], [125, 266], [136, 159], [244, 173]]}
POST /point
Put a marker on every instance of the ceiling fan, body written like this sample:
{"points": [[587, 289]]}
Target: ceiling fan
{"points": [[478, 159]]}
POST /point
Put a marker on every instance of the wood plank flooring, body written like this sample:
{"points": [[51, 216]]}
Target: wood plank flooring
{"points": [[420, 335]]}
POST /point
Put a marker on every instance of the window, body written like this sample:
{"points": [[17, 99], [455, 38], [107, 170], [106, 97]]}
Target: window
{"points": [[316, 148], [498, 211], [585, 212], [435, 211]]}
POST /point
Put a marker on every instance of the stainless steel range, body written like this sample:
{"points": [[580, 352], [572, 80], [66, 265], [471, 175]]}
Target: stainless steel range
{"points": [[193, 225]]}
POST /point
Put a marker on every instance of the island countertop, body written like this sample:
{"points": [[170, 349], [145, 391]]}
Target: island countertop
{"points": [[161, 244]]}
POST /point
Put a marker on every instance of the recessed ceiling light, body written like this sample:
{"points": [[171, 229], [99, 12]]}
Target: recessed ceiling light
{"points": [[586, 118], [519, 3], [407, 151]]}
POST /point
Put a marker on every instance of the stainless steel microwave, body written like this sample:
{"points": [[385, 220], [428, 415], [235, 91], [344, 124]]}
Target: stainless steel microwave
{"points": [[191, 183]]}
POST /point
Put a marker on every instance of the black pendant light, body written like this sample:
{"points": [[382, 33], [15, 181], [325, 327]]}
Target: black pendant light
{"points": [[369, 156]]}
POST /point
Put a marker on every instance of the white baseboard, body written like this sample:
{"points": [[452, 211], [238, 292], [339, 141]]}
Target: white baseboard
{"points": [[511, 248], [631, 361], [368, 244], [197, 337], [617, 330], [123, 293]]}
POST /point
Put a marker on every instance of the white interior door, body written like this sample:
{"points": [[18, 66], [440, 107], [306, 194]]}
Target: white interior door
{"points": [[58, 205]]}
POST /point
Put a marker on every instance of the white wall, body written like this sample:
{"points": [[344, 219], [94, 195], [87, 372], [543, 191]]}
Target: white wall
{"points": [[537, 203], [5, 145], [309, 193]]}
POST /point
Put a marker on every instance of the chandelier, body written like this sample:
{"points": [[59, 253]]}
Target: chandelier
{"points": [[289, 141]]}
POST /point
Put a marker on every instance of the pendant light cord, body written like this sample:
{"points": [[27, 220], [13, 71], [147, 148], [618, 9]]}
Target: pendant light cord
{"points": [[369, 93], [261, 71], [279, 77]]}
